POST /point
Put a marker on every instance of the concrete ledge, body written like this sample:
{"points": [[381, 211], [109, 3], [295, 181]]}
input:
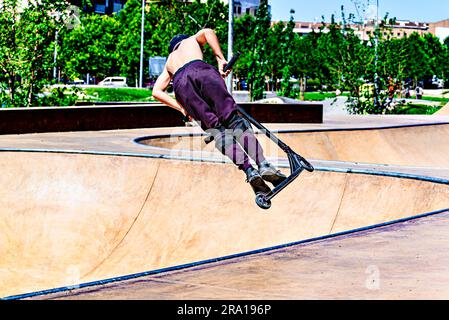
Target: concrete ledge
{"points": [[285, 112], [443, 111], [132, 116]]}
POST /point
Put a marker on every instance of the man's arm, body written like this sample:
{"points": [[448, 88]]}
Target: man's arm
{"points": [[160, 94], [208, 36]]}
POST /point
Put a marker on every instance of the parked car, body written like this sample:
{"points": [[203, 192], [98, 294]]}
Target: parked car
{"points": [[437, 83], [77, 81], [114, 82], [432, 83]]}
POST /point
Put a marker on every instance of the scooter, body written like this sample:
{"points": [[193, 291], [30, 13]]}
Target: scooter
{"points": [[297, 162]]}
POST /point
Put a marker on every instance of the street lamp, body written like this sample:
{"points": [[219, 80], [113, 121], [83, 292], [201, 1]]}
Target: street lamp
{"points": [[57, 15], [376, 58], [142, 40], [55, 58], [72, 13], [230, 41], [141, 44]]}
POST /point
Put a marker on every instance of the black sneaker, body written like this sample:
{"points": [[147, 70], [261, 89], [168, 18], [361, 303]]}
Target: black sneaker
{"points": [[256, 181], [269, 173]]}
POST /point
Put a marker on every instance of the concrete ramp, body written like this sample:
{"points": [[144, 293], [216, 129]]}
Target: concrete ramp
{"points": [[67, 219], [418, 145], [443, 111]]}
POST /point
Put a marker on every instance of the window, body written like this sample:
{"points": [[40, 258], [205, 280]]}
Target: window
{"points": [[117, 5], [100, 6]]}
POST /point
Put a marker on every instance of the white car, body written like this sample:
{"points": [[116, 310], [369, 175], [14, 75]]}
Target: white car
{"points": [[114, 82], [439, 83]]}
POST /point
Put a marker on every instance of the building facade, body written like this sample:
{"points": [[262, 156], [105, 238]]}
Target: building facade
{"points": [[440, 29], [98, 6], [400, 29], [241, 7], [101, 6]]}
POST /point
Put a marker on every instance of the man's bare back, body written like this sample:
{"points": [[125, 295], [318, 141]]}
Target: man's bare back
{"points": [[188, 50]]}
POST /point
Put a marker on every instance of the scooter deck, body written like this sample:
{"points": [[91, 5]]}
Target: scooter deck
{"points": [[296, 162]]}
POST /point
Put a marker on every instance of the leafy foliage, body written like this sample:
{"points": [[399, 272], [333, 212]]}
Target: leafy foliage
{"points": [[163, 20], [27, 39], [118, 94], [91, 48], [335, 58]]}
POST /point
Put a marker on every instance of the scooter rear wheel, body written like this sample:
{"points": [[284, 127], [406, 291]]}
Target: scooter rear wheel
{"points": [[262, 202]]}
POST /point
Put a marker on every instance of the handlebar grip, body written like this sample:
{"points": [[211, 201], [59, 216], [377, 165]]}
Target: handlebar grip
{"points": [[208, 139], [231, 62]]}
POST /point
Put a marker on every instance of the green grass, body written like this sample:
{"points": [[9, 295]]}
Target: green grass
{"points": [[442, 101], [318, 96], [143, 95], [416, 109], [118, 94]]}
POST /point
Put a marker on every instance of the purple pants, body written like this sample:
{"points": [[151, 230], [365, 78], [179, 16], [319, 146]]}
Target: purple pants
{"points": [[201, 90]]}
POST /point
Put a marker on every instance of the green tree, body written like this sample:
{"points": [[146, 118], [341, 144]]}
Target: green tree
{"points": [[417, 63], [163, 20], [243, 31], [435, 51], [331, 48], [27, 39], [307, 60], [281, 47], [257, 69], [446, 65], [275, 54], [91, 47], [287, 48], [128, 42]]}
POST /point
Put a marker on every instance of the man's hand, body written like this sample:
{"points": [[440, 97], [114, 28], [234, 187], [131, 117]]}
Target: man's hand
{"points": [[221, 64], [208, 36], [187, 117]]}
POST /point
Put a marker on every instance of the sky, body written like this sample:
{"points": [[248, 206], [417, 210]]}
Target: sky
{"points": [[312, 10]]}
